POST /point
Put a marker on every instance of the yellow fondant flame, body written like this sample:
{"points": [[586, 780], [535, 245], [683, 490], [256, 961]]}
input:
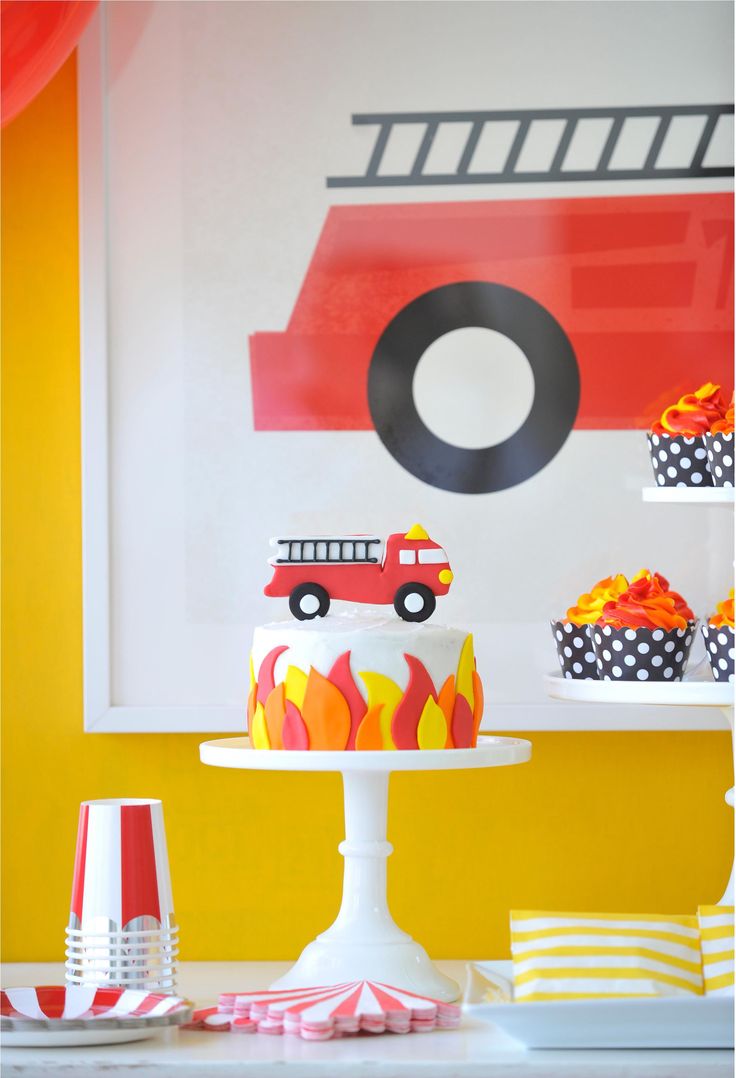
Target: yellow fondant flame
{"points": [[258, 729], [296, 686], [465, 668], [432, 728], [416, 532], [382, 691], [252, 673]]}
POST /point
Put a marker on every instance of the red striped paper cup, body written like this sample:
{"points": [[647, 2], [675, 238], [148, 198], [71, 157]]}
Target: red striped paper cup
{"points": [[121, 870], [122, 928]]}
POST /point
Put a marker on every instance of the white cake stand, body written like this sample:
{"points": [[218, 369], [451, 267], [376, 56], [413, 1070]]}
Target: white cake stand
{"points": [[365, 943]]}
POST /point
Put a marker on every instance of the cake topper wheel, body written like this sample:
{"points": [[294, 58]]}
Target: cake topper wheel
{"points": [[364, 942]]}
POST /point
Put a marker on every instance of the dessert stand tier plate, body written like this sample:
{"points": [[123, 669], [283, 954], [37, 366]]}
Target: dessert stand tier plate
{"points": [[689, 495], [690, 692], [365, 943]]}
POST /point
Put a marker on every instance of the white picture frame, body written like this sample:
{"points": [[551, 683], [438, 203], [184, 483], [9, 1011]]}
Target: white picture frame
{"points": [[101, 712]]}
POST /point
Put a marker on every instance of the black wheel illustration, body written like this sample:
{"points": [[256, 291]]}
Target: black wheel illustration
{"points": [[414, 602], [309, 601], [490, 306]]}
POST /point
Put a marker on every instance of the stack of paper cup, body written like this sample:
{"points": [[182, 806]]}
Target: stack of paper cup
{"points": [[122, 929]]}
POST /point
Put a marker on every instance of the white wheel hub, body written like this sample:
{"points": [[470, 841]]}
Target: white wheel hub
{"points": [[414, 602], [309, 604]]}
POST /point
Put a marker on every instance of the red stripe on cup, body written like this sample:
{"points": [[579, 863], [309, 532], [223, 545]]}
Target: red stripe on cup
{"points": [[138, 868], [80, 859]]}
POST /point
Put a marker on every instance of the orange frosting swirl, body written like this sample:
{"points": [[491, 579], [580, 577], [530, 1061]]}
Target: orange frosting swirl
{"points": [[590, 604], [724, 613], [694, 413], [725, 425], [648, 603]]}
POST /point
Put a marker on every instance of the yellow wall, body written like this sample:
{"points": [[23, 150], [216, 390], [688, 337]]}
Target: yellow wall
{"points": [[596, 821]]}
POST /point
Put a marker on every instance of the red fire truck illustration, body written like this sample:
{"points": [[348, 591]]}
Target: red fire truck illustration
{"points": [[619, 303], [313, 570]]}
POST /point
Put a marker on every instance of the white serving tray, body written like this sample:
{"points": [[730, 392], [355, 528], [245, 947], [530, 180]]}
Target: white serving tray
{"points": [[696, 1022]]}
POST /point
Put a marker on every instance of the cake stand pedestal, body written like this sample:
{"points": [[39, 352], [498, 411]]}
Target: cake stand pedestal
{"points": [[365, 943]]}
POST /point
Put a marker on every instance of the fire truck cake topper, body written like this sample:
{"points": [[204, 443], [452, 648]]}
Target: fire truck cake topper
{"points": [[409, 571]]}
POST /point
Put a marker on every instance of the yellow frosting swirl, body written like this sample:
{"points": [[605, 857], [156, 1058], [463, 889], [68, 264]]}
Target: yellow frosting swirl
{"points": [[590, 604]]}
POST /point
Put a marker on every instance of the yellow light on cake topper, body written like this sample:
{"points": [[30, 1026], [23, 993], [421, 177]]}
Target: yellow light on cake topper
{"points": [[416, 532]]}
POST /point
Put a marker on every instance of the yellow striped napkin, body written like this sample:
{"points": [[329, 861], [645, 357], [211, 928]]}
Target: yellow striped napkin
{"points": [[604, 955], [716, 943]]}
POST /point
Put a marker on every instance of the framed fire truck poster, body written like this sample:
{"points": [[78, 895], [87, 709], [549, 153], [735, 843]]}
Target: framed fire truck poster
{"points": [[351, 267]]}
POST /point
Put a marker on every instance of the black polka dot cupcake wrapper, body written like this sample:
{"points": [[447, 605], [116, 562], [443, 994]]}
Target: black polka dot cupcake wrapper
{"points": [[575, 651], [679, 461], [720, 458], [719, 647], [641, 654]]}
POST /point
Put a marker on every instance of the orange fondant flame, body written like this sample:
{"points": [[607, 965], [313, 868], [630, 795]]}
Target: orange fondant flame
{"points": [[274, 710], [446, 700], [369, 734], [325, 713]]}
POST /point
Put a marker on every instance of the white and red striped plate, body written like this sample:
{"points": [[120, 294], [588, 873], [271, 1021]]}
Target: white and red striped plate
{"points": [[56, 1015]]}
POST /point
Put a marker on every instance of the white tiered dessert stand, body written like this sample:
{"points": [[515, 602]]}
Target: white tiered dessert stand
{"points": [[365, 943], [697, 689]]}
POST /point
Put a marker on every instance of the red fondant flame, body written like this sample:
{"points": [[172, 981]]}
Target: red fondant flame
{"points": [[462, 723], [265, 675], [408, 712], [341, 676], [294, 733]]}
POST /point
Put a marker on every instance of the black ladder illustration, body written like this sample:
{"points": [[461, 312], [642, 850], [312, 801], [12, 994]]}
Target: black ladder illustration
{"points": [[479, 122]]}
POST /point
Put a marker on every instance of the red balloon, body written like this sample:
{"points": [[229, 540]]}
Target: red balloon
{"points": [[37, 37]]}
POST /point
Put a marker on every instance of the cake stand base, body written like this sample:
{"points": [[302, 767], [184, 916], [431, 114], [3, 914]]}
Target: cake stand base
{"points": [[365, 943], [401, 965]]}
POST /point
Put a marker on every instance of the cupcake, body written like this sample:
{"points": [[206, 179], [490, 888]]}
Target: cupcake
{"points": [[676, 441], [719, 446], [719, 643], [645, 634], [572, 633]]}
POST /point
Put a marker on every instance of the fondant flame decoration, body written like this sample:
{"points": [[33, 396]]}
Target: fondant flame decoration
{"points": [[311, 711]]}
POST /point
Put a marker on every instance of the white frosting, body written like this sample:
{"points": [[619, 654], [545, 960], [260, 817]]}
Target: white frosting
{"points": [[376, 642]]}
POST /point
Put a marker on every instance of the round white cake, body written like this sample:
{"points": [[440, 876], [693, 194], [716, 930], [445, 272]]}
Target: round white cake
{"points": [[363, 681]]}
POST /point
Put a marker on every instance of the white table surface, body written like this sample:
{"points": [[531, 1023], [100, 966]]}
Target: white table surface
{"points": [[476, 1050]]}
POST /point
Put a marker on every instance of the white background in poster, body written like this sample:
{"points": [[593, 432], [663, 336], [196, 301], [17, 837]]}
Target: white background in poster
{"points": [[206, 134]]}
